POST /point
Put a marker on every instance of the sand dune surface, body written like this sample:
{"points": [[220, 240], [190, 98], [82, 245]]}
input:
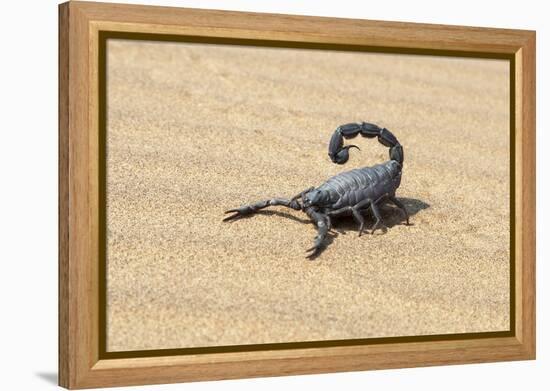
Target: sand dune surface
{"points": [[195, 129]]}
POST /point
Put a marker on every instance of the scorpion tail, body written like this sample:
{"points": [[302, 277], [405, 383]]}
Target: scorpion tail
{"points": [[339, 153]]}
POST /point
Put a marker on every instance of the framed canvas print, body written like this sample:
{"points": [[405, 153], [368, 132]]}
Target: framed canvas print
{"points": [[251, 194]]}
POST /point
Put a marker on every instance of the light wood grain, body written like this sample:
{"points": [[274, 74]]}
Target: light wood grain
{"points": [[64, 325], [79, 364], [78, 282], [526, 215]]}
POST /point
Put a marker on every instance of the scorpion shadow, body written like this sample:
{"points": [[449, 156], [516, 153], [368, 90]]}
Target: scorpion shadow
{"points": [[391, 216]]}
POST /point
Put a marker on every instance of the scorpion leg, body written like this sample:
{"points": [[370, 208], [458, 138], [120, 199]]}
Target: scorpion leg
{"points": [[359, 218], [378, 224], [329, 222], [322, 229], [355, 211], [400, 206], [338, 212], [335, 213], [253, 208]]}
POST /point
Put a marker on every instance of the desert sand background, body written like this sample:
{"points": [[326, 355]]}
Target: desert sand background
{"points": [[194, 130]]}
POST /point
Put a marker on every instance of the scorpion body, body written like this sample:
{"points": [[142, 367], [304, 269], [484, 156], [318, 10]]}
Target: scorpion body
{"points": [[349, 193], [368, 183]]}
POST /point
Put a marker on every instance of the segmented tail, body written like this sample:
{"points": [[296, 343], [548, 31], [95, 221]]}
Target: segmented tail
{"points": [[339, 153]]}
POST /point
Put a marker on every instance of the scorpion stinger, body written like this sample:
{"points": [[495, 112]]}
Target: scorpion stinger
{"points": [[339, 153], [352, 192]]}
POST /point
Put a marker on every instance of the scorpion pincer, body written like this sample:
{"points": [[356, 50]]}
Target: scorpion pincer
{"points": [[349, 193]]}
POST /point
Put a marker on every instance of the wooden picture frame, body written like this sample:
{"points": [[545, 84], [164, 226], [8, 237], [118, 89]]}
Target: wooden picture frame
{"points": [[83, 28]]}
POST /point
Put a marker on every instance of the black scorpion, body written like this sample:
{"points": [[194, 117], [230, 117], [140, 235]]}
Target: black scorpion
{"points": [[351, 192]]}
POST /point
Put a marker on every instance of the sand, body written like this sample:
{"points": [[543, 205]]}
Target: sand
{"points": [[194, 130]]}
